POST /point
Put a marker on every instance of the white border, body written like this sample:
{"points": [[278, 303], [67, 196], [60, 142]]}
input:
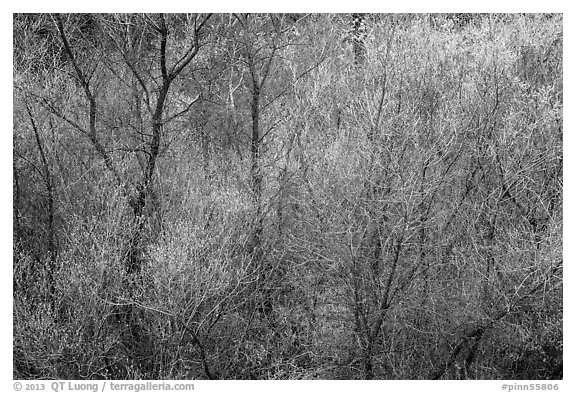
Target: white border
{"points": [[291, 6]]}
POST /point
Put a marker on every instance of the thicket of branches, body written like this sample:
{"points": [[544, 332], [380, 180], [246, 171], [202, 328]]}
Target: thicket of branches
{"points": [[288, 196]]}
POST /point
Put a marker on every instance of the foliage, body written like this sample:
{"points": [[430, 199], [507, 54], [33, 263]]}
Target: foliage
{"points": [[288, 196]]}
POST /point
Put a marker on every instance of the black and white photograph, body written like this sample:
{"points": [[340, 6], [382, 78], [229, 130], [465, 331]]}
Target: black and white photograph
{"points": [[287, 196]]}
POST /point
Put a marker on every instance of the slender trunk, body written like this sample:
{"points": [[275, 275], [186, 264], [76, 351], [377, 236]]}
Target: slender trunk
{"points": [[135, 257], [255, 171], [91, 101], [265, 305], [362, 327], [423, 262], [16, 205], [51, 241], [130, 315], [368, 363]]}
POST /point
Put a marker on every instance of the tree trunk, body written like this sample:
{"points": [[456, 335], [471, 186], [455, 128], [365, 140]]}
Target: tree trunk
{"points": [[51, 241]]}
